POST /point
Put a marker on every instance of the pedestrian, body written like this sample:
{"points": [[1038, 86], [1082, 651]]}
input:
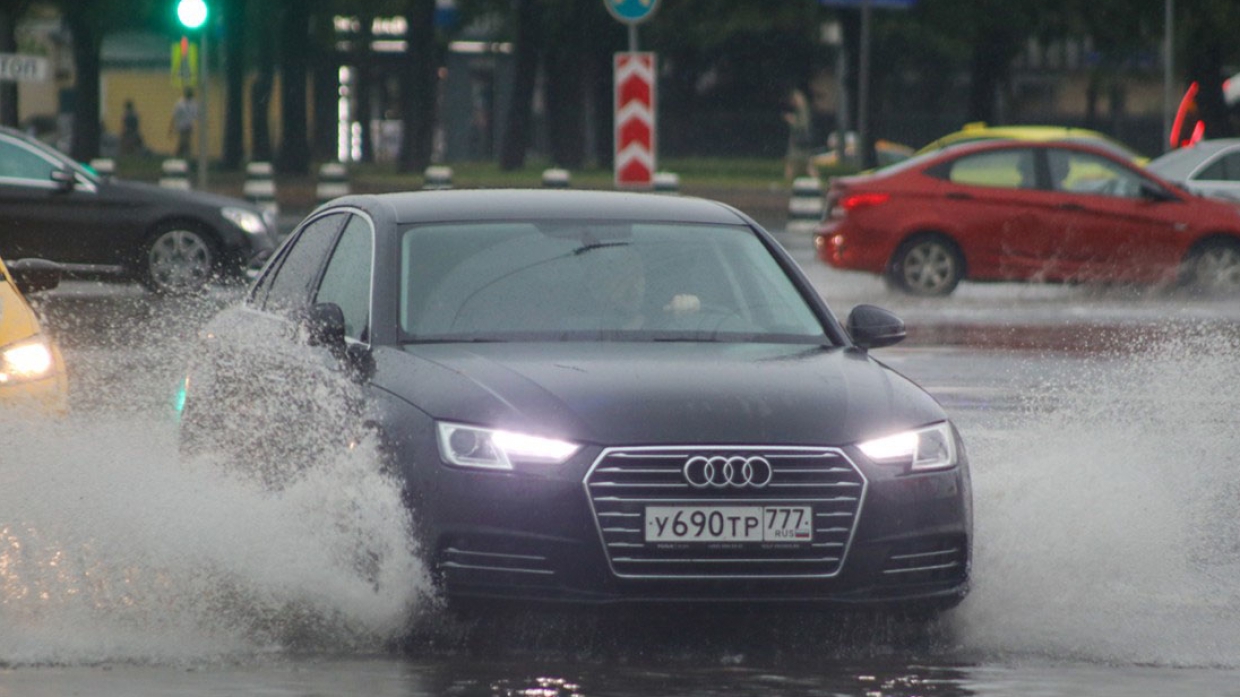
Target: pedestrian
{"points": [[131, 131], [184, 116], [800, 135]]}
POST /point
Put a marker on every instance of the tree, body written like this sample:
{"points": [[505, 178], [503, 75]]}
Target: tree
{"points": [[294, 32], [527, 51], [234, 14], [418, 81]]}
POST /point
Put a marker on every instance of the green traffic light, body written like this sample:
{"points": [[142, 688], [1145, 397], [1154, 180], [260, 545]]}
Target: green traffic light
{"points": [[192, 13]]}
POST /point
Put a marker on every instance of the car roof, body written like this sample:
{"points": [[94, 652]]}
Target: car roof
{"points": [[506, 204], [1181, 162], [977, 131]]}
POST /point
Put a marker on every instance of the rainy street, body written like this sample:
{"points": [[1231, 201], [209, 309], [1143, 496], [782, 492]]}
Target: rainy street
{"points": [[1100, 424]]}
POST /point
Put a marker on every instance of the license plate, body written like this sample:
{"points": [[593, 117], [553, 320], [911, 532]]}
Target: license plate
{"points": [[729, 524]]}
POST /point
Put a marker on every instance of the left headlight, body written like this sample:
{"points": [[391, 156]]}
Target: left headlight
{"points": [[472, 446], [249, 221], [26, 360], [930, 448]]}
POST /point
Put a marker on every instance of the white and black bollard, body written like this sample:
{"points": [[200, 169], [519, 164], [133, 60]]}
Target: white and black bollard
{"points": [[104, 167], [174, 174], [437, 178], [555, 178], [333, 182], [260, 187], [666, 183], [805, 206]]}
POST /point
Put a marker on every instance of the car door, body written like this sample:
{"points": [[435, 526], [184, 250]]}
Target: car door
{"points": [[1116, 231], [999, 213], [45, 218]]}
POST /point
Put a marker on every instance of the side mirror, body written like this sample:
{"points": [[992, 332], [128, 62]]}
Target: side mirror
{"points": [[874, 327], [323, 325], [64, 178], [34, 275], [1157, 194]]}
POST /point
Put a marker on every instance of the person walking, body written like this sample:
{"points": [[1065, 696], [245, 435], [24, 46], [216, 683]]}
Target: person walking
{"points": [[131, 131], [800, 135], [184, 116]]}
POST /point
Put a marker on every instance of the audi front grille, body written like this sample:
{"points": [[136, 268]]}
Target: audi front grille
{"points": [[624, 482]]}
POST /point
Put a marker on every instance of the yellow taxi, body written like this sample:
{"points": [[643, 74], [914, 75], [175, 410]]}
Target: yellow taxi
{"points": [[32, 373], [978, 130]]}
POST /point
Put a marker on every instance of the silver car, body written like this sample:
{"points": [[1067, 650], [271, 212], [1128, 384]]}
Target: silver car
{"points": [[1209, 168]]}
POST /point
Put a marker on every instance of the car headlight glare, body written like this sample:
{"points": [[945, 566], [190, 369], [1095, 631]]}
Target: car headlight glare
{"points": [[249, 221], [471, 446], [930, 448], [26, 360]]}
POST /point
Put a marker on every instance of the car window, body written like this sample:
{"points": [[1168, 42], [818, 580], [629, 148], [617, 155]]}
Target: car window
{"points": [[569, 280], [17, 162], [1007, 169], [1225, 168], [346, 281], [1073, 171], [290, 285]]}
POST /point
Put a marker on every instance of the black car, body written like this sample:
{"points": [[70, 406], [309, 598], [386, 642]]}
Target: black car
{"points": [[594, 397], [170, 240]]}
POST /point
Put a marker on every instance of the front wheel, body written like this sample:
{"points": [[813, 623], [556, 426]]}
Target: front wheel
{"points": [[179, 259], [926, 266], [1214, 269]]}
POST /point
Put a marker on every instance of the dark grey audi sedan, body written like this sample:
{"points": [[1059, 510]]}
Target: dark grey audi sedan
{"points": [[594, 397]]}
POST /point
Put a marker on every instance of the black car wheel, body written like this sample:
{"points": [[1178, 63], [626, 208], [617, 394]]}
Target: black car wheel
{"points": [[179, 259], [926, 266], [1214, 268]]}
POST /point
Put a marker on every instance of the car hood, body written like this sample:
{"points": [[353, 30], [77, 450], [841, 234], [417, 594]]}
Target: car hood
{"points": [[662, 393], [150, 193]]}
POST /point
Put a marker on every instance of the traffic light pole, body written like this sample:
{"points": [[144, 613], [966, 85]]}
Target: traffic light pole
{"points": [[203, 90]]}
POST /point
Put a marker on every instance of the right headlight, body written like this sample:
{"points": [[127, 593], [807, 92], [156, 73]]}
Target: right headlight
{"points": [[249, 221], [488, 448], [25, 360], [929, 448]]}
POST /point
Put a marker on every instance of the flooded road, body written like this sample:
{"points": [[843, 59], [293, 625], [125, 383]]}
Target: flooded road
{"points": [[1101, 427]]}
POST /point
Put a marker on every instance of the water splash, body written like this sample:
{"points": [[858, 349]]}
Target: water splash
{"points": [[1107, 519], [114, 548]]}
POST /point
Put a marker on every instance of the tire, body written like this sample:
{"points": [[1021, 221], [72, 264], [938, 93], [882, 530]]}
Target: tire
{"points": [[1214, 269], [179, 259], [926, 266]]}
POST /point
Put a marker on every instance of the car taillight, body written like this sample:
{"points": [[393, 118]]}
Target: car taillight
{"points": [[852, 202]]}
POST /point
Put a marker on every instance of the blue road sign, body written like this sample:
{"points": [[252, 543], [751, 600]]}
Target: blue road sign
{"points": [[631, 11]]}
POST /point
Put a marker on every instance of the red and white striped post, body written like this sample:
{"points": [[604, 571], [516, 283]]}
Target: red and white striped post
{"points": [[635, 120]]}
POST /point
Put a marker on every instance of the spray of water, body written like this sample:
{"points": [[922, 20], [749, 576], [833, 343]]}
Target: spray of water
{"points": [[1107, 520], [115, 547]]}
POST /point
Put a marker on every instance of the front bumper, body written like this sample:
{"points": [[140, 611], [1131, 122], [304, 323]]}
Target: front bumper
{"points": [[535, 535]]}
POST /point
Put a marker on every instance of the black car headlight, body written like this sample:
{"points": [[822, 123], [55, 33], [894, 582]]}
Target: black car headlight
{"points": [[487, 448], [249, 221], [929, 448], [30, 359]]}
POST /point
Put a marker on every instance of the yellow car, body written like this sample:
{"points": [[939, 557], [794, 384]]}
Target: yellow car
{"points": [[978, 130], [32, 373]]}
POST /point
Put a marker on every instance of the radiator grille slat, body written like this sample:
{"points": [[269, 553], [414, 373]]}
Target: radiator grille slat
{"points": [[623, 482]]}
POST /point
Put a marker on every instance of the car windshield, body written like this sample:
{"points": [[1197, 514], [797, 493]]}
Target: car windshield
{"points": [[561, 280]]}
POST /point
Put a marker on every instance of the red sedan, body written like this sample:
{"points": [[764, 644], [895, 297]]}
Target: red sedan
{"points": [[1024, 211]]}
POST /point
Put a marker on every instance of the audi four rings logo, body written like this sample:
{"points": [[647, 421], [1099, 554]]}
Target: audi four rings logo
{"points": [[735, 471]]}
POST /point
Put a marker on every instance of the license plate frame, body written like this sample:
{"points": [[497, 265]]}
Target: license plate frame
{"points": [[724, 524]]}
